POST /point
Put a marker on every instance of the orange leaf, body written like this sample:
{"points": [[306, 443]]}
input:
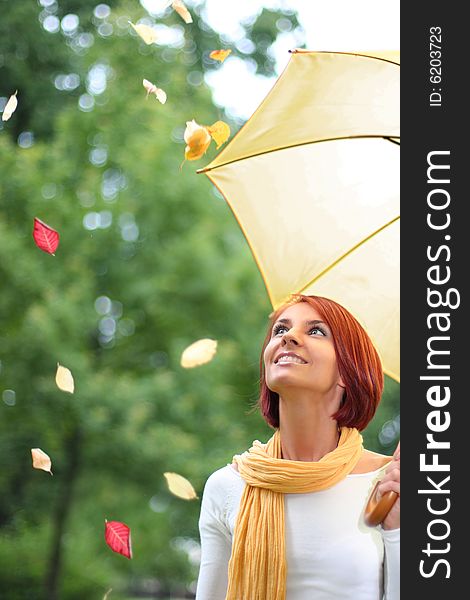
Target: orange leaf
{"points": [[41, 460], [181, 9], [219, 55], [220, 132], [198, 353], [197, 139], [148, 34], [152, 89]]}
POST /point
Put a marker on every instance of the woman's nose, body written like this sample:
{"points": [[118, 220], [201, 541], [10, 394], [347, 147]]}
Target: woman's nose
{"points": [[290, 336]]}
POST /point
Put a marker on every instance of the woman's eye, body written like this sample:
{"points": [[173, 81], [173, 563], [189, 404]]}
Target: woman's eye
{"points": [[282, 328]]}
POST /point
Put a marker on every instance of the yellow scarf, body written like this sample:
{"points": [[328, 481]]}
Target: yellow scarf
{"points": [[257, 567]]}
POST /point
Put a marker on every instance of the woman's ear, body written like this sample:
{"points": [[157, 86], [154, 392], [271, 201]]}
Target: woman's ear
{"points": [[340, 384]]}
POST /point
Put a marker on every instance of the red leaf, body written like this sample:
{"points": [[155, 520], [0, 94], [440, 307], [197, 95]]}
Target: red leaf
{"points": [[118, 537], [46, 238]]}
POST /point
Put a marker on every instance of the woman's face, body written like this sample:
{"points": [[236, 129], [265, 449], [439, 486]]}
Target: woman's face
{"points": [[301, 353]]}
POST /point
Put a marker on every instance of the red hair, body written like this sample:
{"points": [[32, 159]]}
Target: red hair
{"points": [[359, 366]]}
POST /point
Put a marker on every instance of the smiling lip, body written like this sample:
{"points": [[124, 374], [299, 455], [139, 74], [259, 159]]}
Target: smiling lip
{"points": [[290, 362]]}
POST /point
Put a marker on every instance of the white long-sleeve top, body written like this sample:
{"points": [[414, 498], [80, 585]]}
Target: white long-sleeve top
{"points": [[331, 554]]}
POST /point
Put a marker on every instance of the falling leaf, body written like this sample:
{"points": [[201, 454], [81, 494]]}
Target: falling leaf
{"points": [[179, 486], [10, 107], [46, 238], [199, 353], [64, 379], [148, 34], [220, 132], [181, 9], [118, 537], [152, 89], [197, 139], [219, 55], [41, 460], [105, 597]]}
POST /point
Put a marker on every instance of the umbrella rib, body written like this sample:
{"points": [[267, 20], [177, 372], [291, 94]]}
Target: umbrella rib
{"points": [[366, 55], [350, 251], [348, 137]]}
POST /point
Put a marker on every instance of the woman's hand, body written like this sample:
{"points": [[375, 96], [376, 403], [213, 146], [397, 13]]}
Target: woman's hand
{"points": [[391, 481]]}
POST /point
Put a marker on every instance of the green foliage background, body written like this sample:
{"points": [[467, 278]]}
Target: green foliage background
{"points": [[188, 274]]}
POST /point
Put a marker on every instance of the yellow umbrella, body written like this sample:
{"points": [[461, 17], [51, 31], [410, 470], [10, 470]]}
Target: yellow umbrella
{"points": [[313, 181]]}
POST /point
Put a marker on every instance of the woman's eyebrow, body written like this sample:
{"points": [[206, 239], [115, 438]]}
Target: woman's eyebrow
{"points": [[308, 323], [315, 322]]}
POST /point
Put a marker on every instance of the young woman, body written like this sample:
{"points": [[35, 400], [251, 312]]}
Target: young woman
{"points": [[285, 521]]}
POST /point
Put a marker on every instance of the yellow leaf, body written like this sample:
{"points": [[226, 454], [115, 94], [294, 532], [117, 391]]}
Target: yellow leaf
{"points": [[197, 139], [220, 132], [148, 34], [179, 486], [199, 353], [64, 379], [10, 107], [161, 95], [181, 9], [220, 55], [41, 460], [152, 89]]}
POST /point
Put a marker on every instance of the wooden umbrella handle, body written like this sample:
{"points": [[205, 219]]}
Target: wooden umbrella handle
{"points": [[376, 510]]}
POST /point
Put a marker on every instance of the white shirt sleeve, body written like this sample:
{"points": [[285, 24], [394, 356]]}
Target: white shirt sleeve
{"points": [[391, 539], [216, 540]]}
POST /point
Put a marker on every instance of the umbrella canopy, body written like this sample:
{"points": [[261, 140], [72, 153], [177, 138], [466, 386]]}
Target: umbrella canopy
{"points": [[313, 181]]}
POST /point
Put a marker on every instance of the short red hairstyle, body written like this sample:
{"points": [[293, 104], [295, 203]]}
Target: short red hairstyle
{"points": [[358, 364]]}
